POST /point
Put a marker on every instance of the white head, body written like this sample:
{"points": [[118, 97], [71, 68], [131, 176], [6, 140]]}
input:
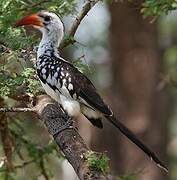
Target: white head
{"points": [[48, 23], [51, 24]]}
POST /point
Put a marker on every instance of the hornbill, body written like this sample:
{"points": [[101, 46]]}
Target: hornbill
{"points": [[66, 84]]}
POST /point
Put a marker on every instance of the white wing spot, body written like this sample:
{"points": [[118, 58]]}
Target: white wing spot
{"points": [[64, 81], [62, 73], [69, 79], [43, 63], [74, 96], [67, 74], [70, 86], [49, 78], [56, 74], [43, 70], [44, 76]]}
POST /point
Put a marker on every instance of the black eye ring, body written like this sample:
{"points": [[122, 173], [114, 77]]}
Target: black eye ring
{"points": [[47, 18]]}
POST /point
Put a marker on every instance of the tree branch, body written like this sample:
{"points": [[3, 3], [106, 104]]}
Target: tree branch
{"points": [[68, 140], [86, 8], [16, 109], [43, 170], [20, 166], [6, 140]]}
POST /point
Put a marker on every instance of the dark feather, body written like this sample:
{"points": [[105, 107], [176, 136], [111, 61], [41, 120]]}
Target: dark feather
{"points": [[94, 100], [130, 135], [84, 88], [96, 122]]}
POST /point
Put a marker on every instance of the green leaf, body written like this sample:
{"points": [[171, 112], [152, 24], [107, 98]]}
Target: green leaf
{"points": [[98, 162], [158, 8]]}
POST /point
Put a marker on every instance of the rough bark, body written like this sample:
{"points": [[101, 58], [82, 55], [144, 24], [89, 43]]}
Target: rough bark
{"points": [[68, 140]]}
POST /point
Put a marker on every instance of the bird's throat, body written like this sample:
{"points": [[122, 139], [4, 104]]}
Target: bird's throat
{"points": [[49, 44]]}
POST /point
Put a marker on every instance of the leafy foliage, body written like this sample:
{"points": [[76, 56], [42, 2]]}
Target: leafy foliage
{"points": [[98, 162], [15, 78], [11, 10], [158, 8], [84, 68], [11, 83]]}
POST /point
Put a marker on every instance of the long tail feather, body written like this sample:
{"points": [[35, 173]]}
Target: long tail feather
{"points": [[130, 135]]}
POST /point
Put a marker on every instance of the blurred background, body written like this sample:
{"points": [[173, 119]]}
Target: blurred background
{"points": [[129, 51]]}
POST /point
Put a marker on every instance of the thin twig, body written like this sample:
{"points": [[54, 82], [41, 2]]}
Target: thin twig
{"points": [[24, 164], [16, 109], [34, 5], [86, 8], [6, 140], [43, 170], [20, 165]]}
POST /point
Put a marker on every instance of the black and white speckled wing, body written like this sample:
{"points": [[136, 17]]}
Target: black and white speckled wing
{"points": [[54, 72], [48, 72], [64, 78], [84, 90]]}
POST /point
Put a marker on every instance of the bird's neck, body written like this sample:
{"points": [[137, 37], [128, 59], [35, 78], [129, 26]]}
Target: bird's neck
{"points": [[49, 44]]}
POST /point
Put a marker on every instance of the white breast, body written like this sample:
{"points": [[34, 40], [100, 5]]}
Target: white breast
{"points": [[71, 106]]}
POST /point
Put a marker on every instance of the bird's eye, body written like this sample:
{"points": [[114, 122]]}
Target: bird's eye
{"points": [[47, 18]]}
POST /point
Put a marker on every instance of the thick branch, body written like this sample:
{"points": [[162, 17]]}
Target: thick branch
{"points": [[86, 8], [68, 140]]}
